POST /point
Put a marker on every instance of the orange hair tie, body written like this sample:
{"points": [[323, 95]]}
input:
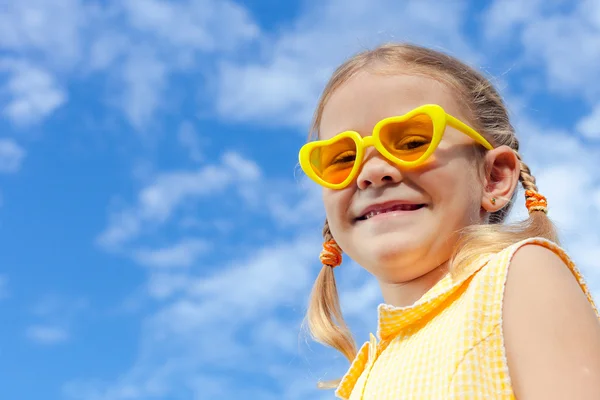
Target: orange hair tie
{"points": [[331, 254], [535, 202]]}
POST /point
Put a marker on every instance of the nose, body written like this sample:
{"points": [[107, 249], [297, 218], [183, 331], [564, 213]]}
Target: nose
{"points": [[376, 171]]}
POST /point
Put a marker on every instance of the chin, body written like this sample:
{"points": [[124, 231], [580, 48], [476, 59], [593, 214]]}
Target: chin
{"points": [[396, 256]]}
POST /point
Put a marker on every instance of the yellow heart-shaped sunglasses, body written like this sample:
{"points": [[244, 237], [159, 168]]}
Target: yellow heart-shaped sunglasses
{"points": [[406, 140]]}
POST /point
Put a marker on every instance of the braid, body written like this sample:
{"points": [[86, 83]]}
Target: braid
{"points": [[534, 201], [527, 180], [327, 236], [324, 314]]}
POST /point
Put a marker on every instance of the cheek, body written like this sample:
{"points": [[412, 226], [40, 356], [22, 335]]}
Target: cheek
{"points": [[337, 203], [455, 185], [328, 202]]}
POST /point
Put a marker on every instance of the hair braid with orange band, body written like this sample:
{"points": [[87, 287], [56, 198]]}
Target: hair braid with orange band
{"points": [[331, 254], [324, 315], [533, 200]]}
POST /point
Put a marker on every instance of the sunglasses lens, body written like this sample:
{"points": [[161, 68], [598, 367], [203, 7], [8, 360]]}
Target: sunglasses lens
{"points": [[334, 162], [408, 140]]}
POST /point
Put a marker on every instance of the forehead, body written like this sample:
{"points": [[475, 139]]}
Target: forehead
{"points": [[366, 98]]}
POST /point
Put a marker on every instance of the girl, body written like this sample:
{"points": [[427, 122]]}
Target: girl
{"points": [[420, 166]]}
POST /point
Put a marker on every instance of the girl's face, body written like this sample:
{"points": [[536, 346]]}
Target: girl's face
{"points": [[440, 197]]}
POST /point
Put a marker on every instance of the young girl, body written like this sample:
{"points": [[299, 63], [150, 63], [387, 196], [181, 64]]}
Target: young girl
{"points": [[420, 166]]}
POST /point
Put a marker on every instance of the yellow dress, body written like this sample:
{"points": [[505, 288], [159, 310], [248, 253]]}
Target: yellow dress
{"points": [[449, 344]]}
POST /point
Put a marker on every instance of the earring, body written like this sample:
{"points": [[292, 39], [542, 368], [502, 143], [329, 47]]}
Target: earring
{"points": [[331, 254], [493, 200]]}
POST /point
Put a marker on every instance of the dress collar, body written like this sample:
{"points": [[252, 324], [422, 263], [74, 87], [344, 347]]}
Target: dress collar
{"points": [[391, 319]]}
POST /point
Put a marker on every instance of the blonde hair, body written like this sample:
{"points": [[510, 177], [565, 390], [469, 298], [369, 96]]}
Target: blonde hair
{"points": [[488, 114]]}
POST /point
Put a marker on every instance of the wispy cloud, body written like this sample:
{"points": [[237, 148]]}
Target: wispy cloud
{"points": [[47, 334], [236, 296], [37, 51], [53, 315], [11, 156], [29, 28], [190, 141], [182, 254], [101, 38], [180, 33], [34, 92], [144, 75], [194, 24], [589, 126], [502, 17], [277, 89], [557, 38], [292, 205], [169, 191]]}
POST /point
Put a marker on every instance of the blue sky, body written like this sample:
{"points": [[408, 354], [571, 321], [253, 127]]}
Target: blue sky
{"points": [[158, 240]]}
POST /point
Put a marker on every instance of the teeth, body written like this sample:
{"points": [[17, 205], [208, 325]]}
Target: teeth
{"points": [[372, 214], [404, 207]]}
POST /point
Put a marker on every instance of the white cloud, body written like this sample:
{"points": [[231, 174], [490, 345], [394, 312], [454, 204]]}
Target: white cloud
{"points": [[55, 307], [278, 89], [162, 284], [272, 274], [561, 40], [502, 17], [11, 156], [144, 75], [193, 24], [182, 254], [244, 169], [169, 191], [53, 316], [30, 27], [46, 334], [122, 227], [268, 87], [158, 200], [369, 293], [589, 126], [190, 141], [294, 204], [176, 34], [560, 183], [34, 91], [206, 322], [287, 340], [107, 48], [107, 38], [564, 166]]}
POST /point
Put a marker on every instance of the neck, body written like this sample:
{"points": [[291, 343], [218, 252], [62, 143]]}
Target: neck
{"points": [[402, 294]]}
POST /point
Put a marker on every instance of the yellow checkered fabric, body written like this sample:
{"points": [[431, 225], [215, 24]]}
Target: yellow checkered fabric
{"points": [[448, 345]]}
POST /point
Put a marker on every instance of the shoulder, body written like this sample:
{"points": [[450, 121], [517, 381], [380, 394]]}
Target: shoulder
{"points": [[536, 266], [541, 274], [551, 329]]}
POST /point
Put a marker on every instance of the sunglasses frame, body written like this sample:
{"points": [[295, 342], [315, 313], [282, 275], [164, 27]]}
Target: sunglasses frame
{"points": [[439, 118]]}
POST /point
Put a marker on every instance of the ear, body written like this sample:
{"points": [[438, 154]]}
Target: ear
{"points": [[502, 171]]}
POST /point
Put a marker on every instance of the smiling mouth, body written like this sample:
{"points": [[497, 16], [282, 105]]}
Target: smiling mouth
{"points": [[399, 207]]}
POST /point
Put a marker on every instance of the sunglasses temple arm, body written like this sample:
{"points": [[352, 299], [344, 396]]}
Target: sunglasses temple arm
{"points": [[467, 130]]}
